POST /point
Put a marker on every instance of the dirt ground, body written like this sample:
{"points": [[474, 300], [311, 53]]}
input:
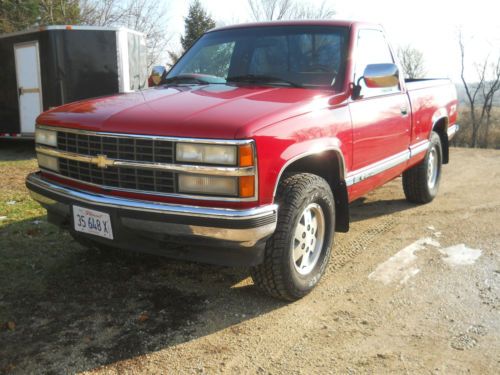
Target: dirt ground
{"points": [[410, 289]]}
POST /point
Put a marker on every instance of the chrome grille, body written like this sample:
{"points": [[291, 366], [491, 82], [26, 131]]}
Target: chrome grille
{"points": [[122, 148], [119, 177], [134, 149]]}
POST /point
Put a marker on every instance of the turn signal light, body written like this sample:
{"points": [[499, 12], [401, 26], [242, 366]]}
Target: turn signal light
{"points": [[247, 186], [246, 156]]}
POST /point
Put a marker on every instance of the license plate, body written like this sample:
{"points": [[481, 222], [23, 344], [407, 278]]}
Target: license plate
{"points": [[92, 222]]}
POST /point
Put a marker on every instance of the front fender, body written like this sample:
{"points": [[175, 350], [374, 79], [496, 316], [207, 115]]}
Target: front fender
{"points": [[281, 145]]}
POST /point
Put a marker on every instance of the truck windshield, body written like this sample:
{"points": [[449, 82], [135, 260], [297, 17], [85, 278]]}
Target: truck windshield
{"points": [[295, 56]]}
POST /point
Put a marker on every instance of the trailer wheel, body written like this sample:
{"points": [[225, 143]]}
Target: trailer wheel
{"points": [[421, 182], [297, 254]]}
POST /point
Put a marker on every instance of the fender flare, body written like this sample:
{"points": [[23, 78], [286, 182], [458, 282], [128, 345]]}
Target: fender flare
{"points": [[439, 116], [316, 151], [339, 186]]}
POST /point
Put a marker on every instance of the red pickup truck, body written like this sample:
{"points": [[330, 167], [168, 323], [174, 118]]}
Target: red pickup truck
{"points": [[250, 150]]}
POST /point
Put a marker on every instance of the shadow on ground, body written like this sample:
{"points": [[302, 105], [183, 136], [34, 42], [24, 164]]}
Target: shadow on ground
{"points": [[64, 308], [16, 149], [74, 309], [361, 210]]}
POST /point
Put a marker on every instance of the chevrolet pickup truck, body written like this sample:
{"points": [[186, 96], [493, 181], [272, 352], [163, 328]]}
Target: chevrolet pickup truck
{"points": [[249, 151]]}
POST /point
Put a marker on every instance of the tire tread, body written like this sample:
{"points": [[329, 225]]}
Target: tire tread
{"points": [[269, 275], [415, 179]]}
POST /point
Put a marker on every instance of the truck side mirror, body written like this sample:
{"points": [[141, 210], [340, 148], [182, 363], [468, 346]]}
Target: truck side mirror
{"points": [[378, 76], [156, 75]]}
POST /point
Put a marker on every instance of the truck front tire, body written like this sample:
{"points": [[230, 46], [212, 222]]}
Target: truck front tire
{"points": [[297, 254], [421, 182]]}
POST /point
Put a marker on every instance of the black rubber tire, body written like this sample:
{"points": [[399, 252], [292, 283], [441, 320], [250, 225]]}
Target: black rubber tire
{"points": [[277, 275], [415, 183]]}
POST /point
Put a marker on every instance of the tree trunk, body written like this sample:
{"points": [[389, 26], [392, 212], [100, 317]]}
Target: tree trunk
{"points": [[475, 126], [487, 130]]}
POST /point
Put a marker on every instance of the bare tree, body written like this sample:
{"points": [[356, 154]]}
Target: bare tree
{"points": [[268, 10], [146, 16], [485, 89], [307, 11], [275, 10], [56, 11], [490, 89], [412, 61]]}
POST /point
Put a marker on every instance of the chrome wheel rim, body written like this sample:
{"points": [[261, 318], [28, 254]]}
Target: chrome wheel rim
{"points": [[432, 168], [307, 242]]}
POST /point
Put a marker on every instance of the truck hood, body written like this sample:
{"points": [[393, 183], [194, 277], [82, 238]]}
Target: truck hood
{"points": [[213, 111]]}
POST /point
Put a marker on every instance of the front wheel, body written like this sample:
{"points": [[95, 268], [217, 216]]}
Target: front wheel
{"points": [[297, 254], [421, 182]]}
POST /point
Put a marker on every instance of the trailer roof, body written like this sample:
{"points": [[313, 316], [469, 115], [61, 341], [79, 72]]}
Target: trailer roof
{"points": [[69, 28]]}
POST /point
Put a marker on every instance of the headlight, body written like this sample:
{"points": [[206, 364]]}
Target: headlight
{"points": [[206, 154], [46, 137], [215, 185], [48, 162]]}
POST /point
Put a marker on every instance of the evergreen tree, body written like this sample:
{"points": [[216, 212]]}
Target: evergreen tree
{"points": [[196, 23], [18, 15]]}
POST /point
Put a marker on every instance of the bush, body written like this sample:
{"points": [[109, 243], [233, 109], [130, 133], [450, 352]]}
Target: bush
{"points": [[464, 137]]}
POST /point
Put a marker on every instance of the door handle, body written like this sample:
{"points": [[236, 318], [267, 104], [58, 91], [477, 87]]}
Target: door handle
{"points": [[20, 91], [404, 110]]}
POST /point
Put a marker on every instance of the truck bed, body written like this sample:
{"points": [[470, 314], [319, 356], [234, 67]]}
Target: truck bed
{"points": [[413, 84]]}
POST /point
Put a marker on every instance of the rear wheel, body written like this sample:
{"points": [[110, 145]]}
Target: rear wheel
{"points": [[298, 252], [421, 182]]}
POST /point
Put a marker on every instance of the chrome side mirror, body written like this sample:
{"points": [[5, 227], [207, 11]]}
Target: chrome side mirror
{"points": [[381, 75], [156, 75]]}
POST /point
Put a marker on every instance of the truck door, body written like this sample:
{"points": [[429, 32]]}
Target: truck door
{"points": [[29, 87], [381, 117]]}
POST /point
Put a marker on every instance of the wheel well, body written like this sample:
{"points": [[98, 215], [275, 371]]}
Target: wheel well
{"points": [[328, 165], [441, 128]]}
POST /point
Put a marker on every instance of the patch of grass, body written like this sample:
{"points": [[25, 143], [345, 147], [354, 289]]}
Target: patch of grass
{"points": [[27, 242], [17, 160]]}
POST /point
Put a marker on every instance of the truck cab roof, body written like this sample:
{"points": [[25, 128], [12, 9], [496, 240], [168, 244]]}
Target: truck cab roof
{"points": [[334, 23]]}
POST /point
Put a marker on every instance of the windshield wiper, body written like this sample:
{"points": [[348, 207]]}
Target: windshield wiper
{"points": [[254, 78], [198, 79]]}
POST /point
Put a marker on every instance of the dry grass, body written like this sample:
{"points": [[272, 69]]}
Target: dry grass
{"points": [[464, 136], [22, 220], [17, 159]]}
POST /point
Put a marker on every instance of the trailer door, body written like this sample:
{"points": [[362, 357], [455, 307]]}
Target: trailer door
{"points": [[29, 88]]}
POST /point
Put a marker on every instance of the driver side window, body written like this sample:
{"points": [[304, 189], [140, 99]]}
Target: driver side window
{"points": [[212, 60], [372, 48]]}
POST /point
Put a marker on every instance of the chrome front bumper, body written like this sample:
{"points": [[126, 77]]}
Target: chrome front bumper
{"points": [[244, 228]]}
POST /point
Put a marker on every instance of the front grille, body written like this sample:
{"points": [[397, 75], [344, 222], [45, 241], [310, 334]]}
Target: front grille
{"points": [[122, 148], [133, 149], [119, 177]]}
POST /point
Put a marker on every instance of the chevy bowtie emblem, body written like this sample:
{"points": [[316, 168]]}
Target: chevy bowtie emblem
{"points": [[102, 161]]}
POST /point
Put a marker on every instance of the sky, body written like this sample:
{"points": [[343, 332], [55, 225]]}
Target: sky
{"points": [[429, 25]]}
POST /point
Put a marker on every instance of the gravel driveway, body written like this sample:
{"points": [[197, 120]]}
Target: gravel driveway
{"points": [[411, 289]]}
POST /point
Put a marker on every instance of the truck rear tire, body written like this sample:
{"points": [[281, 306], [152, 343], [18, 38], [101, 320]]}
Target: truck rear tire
{"points": [[298, 252], [421, 182]]}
